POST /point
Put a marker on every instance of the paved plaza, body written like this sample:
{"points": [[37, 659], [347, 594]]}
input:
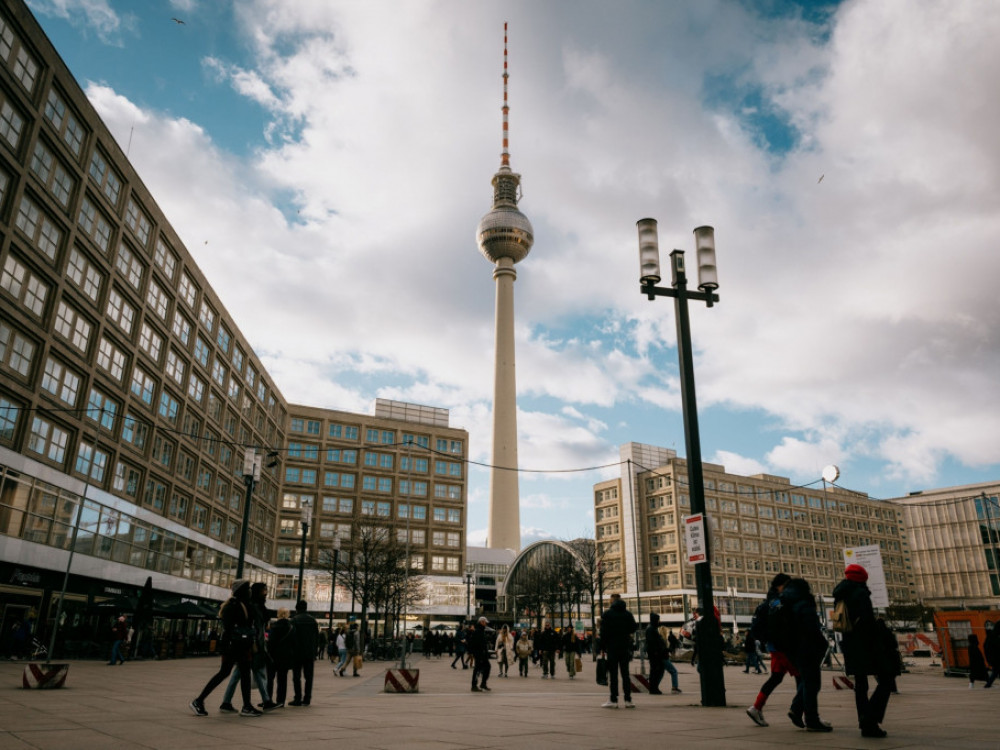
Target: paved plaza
{"points": [[145, 705]]}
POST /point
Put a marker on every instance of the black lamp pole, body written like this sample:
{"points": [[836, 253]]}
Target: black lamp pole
{"points": [[306, 518], [709, 633]]}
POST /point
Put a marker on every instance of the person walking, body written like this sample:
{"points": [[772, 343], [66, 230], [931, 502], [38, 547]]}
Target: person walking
{"points": [[806, 651], [504, 648], [478, 646], [461, 634], [668, 664], [572, 647], [780, 665], [353, 641], [119, 633], [657, 653], [752, 658], [991, 650], [304, 641], [548, 644], [617, 627], [238, 638], [977, 664], [865, 653], [258, 611], [279, 649], [341, 641], [523, 647]]}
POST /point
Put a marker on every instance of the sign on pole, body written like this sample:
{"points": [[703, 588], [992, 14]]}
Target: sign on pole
{"points": [[869, 557], [694, 538]]}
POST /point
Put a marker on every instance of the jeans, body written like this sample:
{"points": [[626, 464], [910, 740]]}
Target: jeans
{"points": [[230, 660], [116, 653], [549, 663], [656, 669], [300, 669], [342, 664], [481, 670], [618, 664], [259, 676], [871, 711], [522, 665], [807, 683], [669, 667]]}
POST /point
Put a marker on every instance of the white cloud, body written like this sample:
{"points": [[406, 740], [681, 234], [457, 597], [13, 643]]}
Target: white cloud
{"points": [[94, 15]]}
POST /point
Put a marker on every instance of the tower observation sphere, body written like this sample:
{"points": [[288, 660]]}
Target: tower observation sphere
{"points": [[505, 232]]}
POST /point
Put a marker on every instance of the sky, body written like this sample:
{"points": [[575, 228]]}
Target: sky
{"points": [[326, 163]]}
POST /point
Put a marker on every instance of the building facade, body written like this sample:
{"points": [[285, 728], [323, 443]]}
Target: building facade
{"points": [[757, 525], [129, 395], [953, 536]]}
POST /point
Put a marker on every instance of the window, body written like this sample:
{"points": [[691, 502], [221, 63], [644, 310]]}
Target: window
{"points": [[129, 266], [187, 290], [64, 122], [25, 69], [120, 311], [238, 358], [136, 219], [52, 174], [106, 178], [224, 339], [91, 462], [201, 351], [47, 440], [83, 273], [181, 328], [60, 381], [72, 326], [39, 228], [101, 407], [110, 359], [11, 124], [142, 386], [157, 300], [175, 367], [207, 316], [24, 286], [454, 515], [169, 407], [156, 492], [95, 225], [165, 259], [150, 341]]}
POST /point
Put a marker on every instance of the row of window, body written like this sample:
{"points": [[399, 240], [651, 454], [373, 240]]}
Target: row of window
{"points": [[301, 425], [382, 508]]}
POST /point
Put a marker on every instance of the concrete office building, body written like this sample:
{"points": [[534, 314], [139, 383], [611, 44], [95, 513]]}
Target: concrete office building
{"points": [[125, 383], [758, 525]]}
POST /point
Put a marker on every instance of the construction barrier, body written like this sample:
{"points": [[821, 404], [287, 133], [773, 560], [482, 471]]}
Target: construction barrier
{"points": [[44, 676], [640, 683], [842, 682], [402, 681]]}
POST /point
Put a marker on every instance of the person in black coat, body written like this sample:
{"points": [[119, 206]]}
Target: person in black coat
{"points": [[479, 650], [617, 627], [991, 649], [867, 651], [238, 639], [304, 642], [657, 653], [977, 665], [279, 649], [806, 652]]}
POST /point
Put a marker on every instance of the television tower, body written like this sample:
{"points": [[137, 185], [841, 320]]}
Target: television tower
{"points": [[504, 236]]}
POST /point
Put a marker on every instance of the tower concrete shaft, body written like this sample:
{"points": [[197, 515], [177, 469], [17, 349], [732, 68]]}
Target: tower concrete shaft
{"points": [[504, 531]]}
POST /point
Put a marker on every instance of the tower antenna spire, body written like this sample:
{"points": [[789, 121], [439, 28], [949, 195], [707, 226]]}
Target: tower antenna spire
{"points": [[505, 156]]}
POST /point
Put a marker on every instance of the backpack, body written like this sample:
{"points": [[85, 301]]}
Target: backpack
{"points": [[758, 625], [781, 625], [841, 620]]}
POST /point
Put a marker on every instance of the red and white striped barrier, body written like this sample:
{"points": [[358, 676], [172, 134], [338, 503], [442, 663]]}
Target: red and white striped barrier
{"points": [[640, 683], [842, 682], [402, 681], [45, 676]]}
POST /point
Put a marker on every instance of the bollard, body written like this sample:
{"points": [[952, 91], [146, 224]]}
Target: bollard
{"points": [[44, 676], [402, 681]]}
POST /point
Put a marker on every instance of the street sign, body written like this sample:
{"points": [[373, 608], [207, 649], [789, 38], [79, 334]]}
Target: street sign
{"points": [[694, 538], [869, 557]]}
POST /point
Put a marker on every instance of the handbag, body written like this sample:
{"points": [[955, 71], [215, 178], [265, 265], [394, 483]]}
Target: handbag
{"points": [[579, 664], [358, 662], [602, 671], [841, 620]]}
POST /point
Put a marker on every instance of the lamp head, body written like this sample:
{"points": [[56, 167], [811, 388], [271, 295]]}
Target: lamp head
{"points": [[649, 252], [704, 243]]}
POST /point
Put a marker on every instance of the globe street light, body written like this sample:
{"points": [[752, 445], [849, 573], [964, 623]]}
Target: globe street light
{"points": [[709, 632]]}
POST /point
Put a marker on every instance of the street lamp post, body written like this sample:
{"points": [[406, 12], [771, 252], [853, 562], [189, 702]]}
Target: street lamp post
{"points": [[713, 688], [251, 475], [468, 595], [333, 577], [306, 519]]}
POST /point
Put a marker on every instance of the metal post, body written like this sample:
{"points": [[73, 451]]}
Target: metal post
{"points": [[713, 688], [251, 475], [306, 518], [406, 564], [333, 577], [468, 595], [635, 554]]}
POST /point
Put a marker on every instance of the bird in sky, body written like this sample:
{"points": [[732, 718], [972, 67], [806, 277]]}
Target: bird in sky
{"points": [[821, 178], [177, 20]]}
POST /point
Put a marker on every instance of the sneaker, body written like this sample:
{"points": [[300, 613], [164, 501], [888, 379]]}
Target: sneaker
{"points": [[483, 687], [198, 707], [796, 719], [250, 712], [757, 715], [819, 726], [341, 672], [609, 704], [296, 702], [475, 689], [675, 691], [629, 704], [228, 708], [268, 706]]}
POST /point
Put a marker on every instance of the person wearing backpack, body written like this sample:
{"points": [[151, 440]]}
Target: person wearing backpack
{"points": [[780, 666], [805, 645], [865, 651]]}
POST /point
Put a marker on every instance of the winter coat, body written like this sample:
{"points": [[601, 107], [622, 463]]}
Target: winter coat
{"points": [[236, 616], [866, 647], [977, 665], [505, 647], [547, 640], [810, 644], [524, 647], [570, 643], [305, 638], [279, 642], [476, 643], [656, 647], [617, 627]]}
